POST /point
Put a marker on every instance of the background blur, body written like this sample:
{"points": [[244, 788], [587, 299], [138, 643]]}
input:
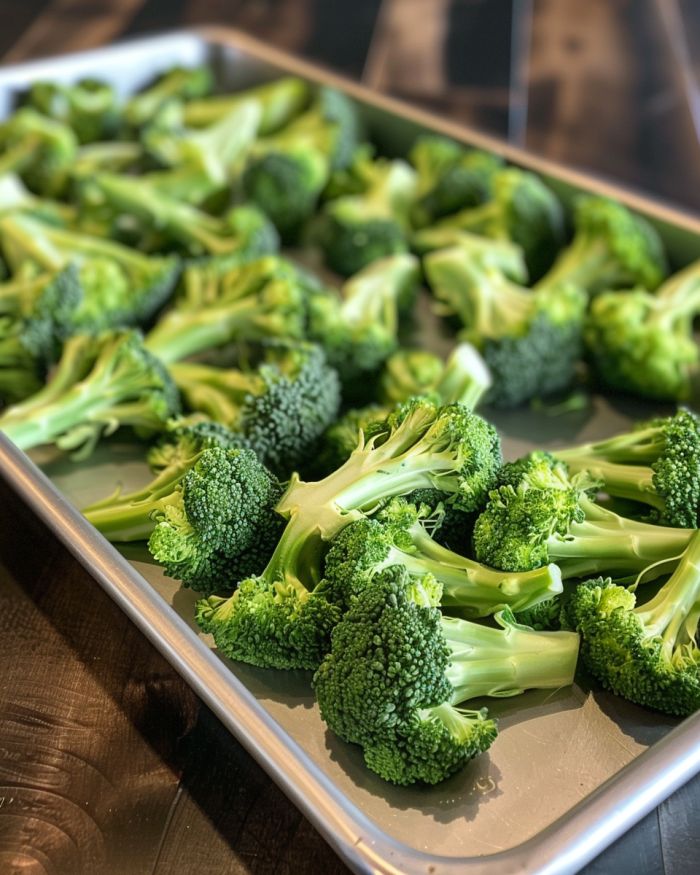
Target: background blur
{"points": [[609, 86]]}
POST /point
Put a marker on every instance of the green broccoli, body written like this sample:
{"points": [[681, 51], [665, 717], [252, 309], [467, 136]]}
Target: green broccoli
{"points": [[113, 156], [397, 669], [541, 515], [356, 229], [646, 653], [125, 386], [656, 464], [88, 106], [40, 149], [288, 171], [342, 437], [283, 617], [450, 178], [531, 341], [176, 84], [612, 248], [262, 299], [643, 343], [281, 100], [23, 363], [282, 404], [119, 286], [522, 210]]}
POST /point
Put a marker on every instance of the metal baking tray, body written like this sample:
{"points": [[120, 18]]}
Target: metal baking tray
{"points": [[569, 772]]}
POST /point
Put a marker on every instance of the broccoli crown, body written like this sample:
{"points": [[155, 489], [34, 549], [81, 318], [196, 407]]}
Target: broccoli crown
{"points": [[41, 149], [612, 248], [343, 436], [408, 372], [647, 653], [450, 177], [178, 83], [657, 463], [222, 510], [21, 368], [88, 106]]}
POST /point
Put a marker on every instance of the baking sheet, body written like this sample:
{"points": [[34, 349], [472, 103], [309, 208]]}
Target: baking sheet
{"points": [[553, 749]]}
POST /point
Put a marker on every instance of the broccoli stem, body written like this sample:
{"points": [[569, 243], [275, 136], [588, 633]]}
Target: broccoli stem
{"points": [[487, 661], [641, 446], [586, 262], [633, 482], [129, 520]]}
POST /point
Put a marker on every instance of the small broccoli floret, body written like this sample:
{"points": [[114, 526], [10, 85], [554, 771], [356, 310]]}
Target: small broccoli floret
{"points": [[448, 447], [125, 386], [546, 516], [408, 372], [395, 663], [117, 286], [343, 436], [450, 178], [88, 106], [281, 406], [656, 464], [40, 149], [531, 341], [523, 210], [366, 547], [178, 83], [643, 343], [262, 299], [22, 365], [183, 438], [355, 230], [280, 100], [288, 172], [612, 248], [646, 653]]}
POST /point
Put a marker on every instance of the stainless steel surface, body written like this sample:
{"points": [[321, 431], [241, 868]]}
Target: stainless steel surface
{"points": [[569, 772]]}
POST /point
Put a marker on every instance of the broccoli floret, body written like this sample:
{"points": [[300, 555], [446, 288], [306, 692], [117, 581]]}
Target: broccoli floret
{"points": [[547, 516], [287, 172], [88, 106], [262, 299], [355, 230], [281, 100], [22, 366], [208, 515], [40, 149], [118, 285], [183, 438], [646, 653], [282, 405], [178, 83], [656, 464], [125, 386], [531, 341], [398, 537], [195, 231], [361, 331], [396, 667], [643, 343], [450, 178], [612, 248], [343, 436], [522, 210], [283, 617], [408, 372]]}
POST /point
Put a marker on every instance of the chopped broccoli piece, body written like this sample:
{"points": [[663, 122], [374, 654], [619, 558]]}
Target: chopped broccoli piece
{"points": [[397, 668], [612, 248], [281, 405], [531, 341], [343, 436], [408, 372], [88, 106], [283, 617], [262, 299], [125, 386], [178, 83], [450, 178], [356, 229], [522, 210], [40, 149], [656, 464], [643, 343], [646, 653], [22, 366], [541, 515]]}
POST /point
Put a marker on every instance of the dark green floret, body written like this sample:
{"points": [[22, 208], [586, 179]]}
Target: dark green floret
{"points": [[646, 653], [547, 516], [656, 464], [643, 343], [282, 403], [88, 106], [100, 384], [397, 668], [40, 149]]}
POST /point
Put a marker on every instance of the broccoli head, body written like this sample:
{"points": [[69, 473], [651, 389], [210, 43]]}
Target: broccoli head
{"points": [[89, 107], [40, 149]]}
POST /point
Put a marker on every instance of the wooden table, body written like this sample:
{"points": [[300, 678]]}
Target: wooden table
{"points": [[108, 762]]}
